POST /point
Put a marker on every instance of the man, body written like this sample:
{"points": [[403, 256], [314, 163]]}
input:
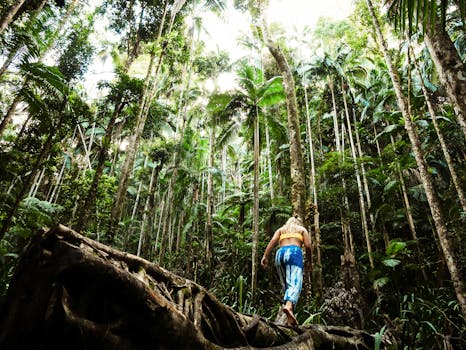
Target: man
{"points": [[289, 261]]}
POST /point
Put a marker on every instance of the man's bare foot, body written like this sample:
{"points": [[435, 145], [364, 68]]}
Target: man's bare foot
{"points": [[290, 316]]}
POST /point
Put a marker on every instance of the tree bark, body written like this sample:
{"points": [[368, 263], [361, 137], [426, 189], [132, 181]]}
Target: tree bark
{"points": [[88, 295]]}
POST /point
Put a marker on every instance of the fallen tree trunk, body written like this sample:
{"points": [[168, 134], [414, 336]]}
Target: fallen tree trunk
{"points": [[71, 292]]}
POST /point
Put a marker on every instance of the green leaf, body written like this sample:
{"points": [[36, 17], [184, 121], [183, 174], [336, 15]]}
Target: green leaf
{"points": [[378, 338], [391, 262], [389, 186], [380, 282], [431, 326], [395, 247]]}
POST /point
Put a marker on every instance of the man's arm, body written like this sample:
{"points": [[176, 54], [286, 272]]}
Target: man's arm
{"points": [[273, 242]]}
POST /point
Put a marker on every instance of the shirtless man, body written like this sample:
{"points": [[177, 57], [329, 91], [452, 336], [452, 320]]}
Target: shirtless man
{"points": [[289, 261]]}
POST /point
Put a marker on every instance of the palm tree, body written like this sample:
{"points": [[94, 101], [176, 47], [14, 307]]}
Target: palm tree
{"points": [[254, 94], [434, 204]]}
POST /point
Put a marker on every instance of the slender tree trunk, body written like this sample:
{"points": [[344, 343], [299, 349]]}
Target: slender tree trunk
{"points": [[131, 150], [335, 116], [298, 188], [10, 14], [434, 204], [362, 204], [146, 224], [35, 183], [8, 61], [9, 114], [159, 224], [255, 212], [443, 144], [130, 231], [141, 118], [363, 173], [101, 158], [451, 70], [317, 268], [55, 190], [210, 196], [269, 163]]}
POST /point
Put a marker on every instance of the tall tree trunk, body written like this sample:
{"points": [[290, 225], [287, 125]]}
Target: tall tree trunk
{"points": [[89, 202], [255, 211], [147, 222], [9, 114], [362, 204], [317, 268], [434, 204], [298, 178], [127, 238], [451, 69], [141, 118], [331, 86], [10, 14], [269, 163], [210, 195], [363, 173], [131, 150]]}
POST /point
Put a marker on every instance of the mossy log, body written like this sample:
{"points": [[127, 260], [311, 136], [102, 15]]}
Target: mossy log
{"points": [[71, 292]]}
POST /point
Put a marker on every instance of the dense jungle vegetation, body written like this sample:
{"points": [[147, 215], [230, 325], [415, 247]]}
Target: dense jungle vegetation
{"points": [[357, 125]]}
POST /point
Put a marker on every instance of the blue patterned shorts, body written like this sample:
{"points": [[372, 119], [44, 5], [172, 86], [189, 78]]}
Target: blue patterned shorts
{"points": [[289, 263]]}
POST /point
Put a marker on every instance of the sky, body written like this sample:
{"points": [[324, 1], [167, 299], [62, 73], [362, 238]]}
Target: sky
{"points": [[293, 15], [223, 33]]}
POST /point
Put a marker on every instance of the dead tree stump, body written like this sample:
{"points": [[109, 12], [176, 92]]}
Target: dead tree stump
{"points": [[71, 292]]}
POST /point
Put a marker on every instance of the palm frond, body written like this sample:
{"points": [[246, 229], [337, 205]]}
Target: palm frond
{"points": [[409, 16], [46, 77], [216, 6], [229, 131]]}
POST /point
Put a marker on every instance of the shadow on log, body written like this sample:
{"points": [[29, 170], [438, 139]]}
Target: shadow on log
{"points": [[71, 292]]}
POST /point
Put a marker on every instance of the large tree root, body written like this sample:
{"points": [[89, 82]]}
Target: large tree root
{"points": [[71, 292]]}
